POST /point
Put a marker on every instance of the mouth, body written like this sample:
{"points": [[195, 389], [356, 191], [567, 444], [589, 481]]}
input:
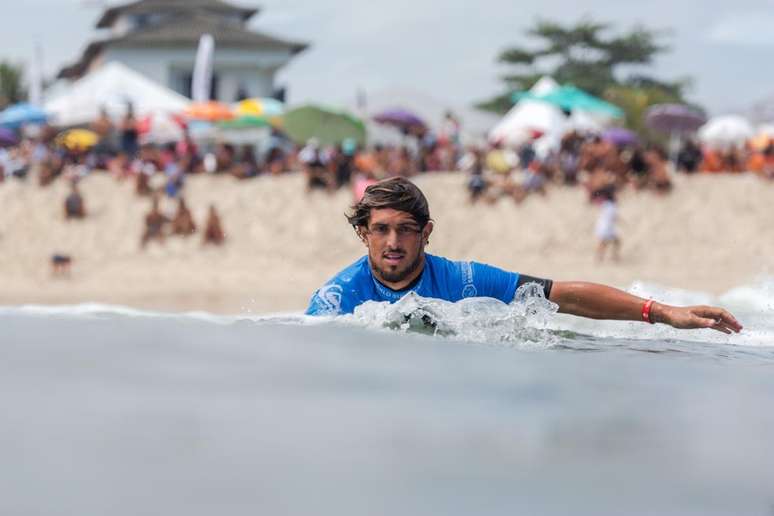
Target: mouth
{"points": [[393, 258]]}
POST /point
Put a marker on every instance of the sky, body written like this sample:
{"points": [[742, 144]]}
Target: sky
{"points": [[448, 49]]}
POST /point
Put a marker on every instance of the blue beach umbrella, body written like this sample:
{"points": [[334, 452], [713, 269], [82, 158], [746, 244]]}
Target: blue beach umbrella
{"points": [[21, 114]]}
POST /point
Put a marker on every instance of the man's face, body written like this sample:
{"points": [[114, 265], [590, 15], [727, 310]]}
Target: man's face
{"points": [[396, 246]]}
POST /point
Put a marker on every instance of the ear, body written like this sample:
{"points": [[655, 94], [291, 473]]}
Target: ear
{"points": [[361, 235], [427, 230]]}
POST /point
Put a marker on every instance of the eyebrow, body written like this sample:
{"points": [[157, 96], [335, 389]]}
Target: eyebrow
{"points": [[400, 224]]}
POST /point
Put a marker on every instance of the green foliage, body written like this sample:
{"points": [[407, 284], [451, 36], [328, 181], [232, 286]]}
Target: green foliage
{"points": [[11, 89], [635, 100], [499, 104], [586, 55]]}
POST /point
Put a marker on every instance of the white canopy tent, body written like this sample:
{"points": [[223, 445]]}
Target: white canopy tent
{"points": [[544, 86], [112, 87], [585, 122], [726, 131], [528, 116]]}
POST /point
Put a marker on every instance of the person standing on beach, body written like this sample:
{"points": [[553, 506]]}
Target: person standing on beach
{"points": [[606, 231], [103, 127], [393, 222], [130, 135]]}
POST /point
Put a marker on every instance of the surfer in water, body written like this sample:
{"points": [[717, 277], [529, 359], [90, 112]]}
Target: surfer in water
{"points": [[393, 221]]}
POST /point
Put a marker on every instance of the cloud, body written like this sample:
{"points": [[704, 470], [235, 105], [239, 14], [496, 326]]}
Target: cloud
{"points": [[748, 28]]}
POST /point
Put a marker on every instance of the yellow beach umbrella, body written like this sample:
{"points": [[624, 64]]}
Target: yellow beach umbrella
{"points": [[260, 107], [77, 139], [259, 112]]}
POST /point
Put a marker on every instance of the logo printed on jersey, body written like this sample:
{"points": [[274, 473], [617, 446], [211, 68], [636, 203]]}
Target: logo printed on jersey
{"points": [[330, 298], [469, 289]]}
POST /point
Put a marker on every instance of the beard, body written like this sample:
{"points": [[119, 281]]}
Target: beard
{"points": [[397, 275]]}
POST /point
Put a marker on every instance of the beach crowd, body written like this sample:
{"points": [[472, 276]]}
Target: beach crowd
{"points": [[495, 170]]}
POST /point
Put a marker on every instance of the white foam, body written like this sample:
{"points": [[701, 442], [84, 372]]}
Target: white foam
{"points": [[485, 320], [756, 297], [526, 322], [752, 304]]}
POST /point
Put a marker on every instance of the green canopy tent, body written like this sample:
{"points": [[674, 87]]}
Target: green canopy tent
{"points": [[570, 98], [329, 126]]}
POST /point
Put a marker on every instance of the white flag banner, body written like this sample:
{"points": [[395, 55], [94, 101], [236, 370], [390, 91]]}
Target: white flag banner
{"points": [[201, 84]]}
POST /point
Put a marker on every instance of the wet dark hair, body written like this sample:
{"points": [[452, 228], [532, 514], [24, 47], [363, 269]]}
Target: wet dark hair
{"points": [[396, 193]]}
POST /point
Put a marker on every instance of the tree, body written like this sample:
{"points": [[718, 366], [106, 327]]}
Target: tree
{"points": [[587, 56], [635, 100], [11, 89]]}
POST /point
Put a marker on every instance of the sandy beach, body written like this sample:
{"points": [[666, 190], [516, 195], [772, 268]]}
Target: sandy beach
{"points": [[710, 234]]}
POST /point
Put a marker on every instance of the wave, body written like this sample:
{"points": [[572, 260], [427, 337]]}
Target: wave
{"points": [[100, 310], [530, 321]]}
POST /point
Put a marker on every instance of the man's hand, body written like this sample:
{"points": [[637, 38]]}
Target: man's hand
{"points": [[688, 317]]}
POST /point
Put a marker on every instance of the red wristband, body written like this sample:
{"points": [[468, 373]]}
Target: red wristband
{"points": [[646, 311]]}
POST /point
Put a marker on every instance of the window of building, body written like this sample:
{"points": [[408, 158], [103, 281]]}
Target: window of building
{"points": [[242, 93], [141, 21], [185, 85]]}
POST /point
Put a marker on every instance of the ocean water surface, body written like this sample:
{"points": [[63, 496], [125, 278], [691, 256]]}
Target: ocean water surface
{"points": [[421, 407]]}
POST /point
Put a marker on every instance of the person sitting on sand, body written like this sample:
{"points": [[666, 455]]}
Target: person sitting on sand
{"points": [[711, 161], [656, 159], [183, 223], [689, 157], [316, 167], [767, 170], [472, 162], [502, 162], [50, 168], [393, 222], [213, 231], [275, 161], [155, 221], [74, 207], [247, 166], [142, 184], [225, 157], [61, 265]]}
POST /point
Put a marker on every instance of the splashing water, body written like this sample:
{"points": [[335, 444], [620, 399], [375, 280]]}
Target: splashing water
{"points": [[476, 319]]}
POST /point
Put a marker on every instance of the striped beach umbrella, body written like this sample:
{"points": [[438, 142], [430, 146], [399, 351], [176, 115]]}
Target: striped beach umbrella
{"points": [[210, 111]]}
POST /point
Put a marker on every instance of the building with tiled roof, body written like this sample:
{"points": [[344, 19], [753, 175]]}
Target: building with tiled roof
{"points": [[159, 39]]}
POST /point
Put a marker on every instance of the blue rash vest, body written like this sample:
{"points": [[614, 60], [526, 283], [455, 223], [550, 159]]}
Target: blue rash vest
{"points": [[440, 279]]}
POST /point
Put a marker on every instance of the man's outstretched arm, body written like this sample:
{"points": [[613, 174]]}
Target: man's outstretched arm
{"points": [[602, 302]]}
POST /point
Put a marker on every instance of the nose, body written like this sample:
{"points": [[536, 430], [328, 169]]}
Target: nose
{"points": [[392, 238]]}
